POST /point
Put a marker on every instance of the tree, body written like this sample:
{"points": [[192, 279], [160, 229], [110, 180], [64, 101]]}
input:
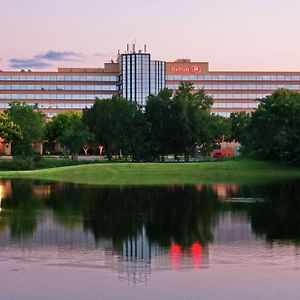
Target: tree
{"points": [[180, 122], [31, 124], [158, 118], [239, 126], [194, 120], [9, 131], [55, 128], [116, 124], [75, 136], [220, 130], [274, 129]]}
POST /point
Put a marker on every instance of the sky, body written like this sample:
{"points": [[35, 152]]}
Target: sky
{"points": [[230, 34]]}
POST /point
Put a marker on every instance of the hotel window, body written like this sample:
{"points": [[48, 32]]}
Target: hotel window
{"points": [[266, 78]]}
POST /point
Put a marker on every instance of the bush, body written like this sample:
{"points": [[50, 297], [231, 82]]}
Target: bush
{"points": [[37, 158], [23, 163]]}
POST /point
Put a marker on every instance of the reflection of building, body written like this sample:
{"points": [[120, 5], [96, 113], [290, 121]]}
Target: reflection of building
{"points": [[233, 227], [137, 248], [5, 190], [141, 256], [224, 190], [135, 76], [41, 190], [137, 256], [54, 243]]}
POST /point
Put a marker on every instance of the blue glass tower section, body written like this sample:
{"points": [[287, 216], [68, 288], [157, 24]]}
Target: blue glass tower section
{"points": [[141, 77], [157, 76]]}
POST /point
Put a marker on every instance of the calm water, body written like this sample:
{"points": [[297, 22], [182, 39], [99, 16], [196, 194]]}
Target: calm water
{"points": [[63, 241]]}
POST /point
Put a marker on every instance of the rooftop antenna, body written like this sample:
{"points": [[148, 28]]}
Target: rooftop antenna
{"points": [[127, 47], [145, 48], [118, 52], [133, 47]]}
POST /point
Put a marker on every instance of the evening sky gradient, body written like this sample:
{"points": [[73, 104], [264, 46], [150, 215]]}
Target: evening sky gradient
{"points": [[230, 34]]}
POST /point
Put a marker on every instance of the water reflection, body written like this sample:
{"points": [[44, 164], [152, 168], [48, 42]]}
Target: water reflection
{"points": [[135, 230]]}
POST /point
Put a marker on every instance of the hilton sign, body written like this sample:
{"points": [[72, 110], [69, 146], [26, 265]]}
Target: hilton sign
{"points": [[192, 69]]}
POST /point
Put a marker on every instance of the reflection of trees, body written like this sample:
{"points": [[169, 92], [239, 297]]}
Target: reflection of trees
{"points": [[183, 215], [169, 214], [173, 214], [24, 206], [67, 204], [279, 217], [180, 214]]}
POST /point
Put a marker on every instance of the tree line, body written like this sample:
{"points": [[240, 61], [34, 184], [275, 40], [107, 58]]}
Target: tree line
{"points": [[179, 124]]}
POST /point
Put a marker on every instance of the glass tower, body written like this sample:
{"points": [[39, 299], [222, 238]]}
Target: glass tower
{"points": [[141, 76]]}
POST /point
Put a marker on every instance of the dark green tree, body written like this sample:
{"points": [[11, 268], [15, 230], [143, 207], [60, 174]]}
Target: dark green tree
{"points": [[220, 130], [117, 125], [158, 118], [180, 122], [274, 130], [190, 121], [58, 124], [31, 124], [194, 120], [239, 126], [75, 136], [56, 127]]}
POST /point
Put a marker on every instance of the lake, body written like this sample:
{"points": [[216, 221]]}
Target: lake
{"points": [[220, 241]]}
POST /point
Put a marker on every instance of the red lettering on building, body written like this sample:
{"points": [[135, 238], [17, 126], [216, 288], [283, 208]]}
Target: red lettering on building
{"points": [[192, 69], [196, 69]]}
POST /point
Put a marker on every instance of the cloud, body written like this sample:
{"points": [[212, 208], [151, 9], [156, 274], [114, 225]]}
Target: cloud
{"points": [[107, 54], [59, 55], [45, 59], [17, 63]]}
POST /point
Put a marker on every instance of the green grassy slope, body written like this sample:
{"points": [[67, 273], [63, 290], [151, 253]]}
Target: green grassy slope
{"points": [[228, 171]]}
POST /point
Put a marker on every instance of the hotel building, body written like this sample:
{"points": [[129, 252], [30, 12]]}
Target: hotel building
{"points": [[135, 76]]}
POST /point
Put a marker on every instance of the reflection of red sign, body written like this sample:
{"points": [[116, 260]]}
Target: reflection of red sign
{"points": [[197, 253], [192, 69], [177, 252], [175, 255]]}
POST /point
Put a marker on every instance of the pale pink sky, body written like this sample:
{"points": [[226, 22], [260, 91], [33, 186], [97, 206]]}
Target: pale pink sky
{"points": [[230, 34]]}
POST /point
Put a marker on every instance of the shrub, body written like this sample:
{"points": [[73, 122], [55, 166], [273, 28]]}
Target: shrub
{"points": [[37, 158], [23, 163]]}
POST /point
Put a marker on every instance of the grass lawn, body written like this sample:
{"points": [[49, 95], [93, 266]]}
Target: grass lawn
{"points": [[227, 171]]}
